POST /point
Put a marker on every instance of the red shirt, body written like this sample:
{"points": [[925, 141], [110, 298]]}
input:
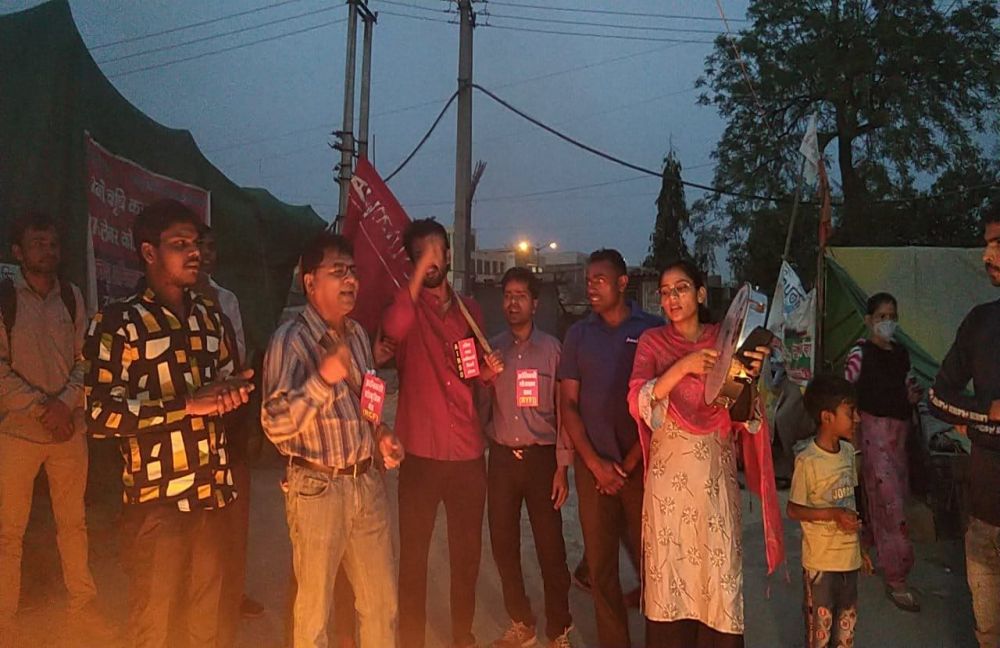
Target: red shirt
{"points": [[436, 417]]}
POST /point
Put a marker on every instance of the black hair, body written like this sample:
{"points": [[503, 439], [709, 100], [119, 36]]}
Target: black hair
{"points": [[158, 217], [611, 256], [825, 393], [697, 278], [418, 229], [878, 299], [36, 221], [991, 213], [316, 249], [522, 275], [205, 230]]}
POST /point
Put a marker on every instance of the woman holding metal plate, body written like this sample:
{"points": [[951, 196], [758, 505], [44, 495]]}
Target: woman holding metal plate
{"points": [[692, 547]]}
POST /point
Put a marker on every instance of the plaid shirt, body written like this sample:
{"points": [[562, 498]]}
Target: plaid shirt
{"points": [[143, 362], [303, 415]]}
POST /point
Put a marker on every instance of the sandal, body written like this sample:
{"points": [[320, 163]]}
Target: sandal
{"points": [[904, 599]]}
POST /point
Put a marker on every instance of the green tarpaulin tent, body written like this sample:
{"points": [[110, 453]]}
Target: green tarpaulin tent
{"points": [[52, 91], [935, 287]]}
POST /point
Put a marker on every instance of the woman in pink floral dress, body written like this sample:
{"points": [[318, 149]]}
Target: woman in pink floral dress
{"points": [[692, 547]]}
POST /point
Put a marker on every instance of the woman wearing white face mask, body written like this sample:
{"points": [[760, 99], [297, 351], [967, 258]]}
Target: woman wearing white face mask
{"points": [[880, 370]]}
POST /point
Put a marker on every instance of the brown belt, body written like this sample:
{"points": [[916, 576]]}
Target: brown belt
{"points": [[357, 469]]}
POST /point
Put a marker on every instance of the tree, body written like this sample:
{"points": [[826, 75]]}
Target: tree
{"points": [[666, 243], [902, 90]]}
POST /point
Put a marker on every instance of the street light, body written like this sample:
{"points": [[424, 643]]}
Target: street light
{"points": [[525, 246]]}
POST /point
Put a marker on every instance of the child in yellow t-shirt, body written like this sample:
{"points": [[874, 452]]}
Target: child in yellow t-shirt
{"points": [[822, 499]]}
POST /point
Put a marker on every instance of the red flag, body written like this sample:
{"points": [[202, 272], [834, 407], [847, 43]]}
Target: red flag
{"points": [[825, 208], [375, 222]]}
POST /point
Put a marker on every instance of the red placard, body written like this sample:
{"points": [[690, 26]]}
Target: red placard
{"points": [[372, 398], [527, 388], [468, 358]]}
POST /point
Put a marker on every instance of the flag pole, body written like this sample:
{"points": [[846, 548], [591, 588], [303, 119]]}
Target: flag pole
{"points": [[795, 210]]}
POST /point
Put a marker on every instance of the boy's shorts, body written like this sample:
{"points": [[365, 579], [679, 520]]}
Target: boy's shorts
{"points": [[830, 606]]}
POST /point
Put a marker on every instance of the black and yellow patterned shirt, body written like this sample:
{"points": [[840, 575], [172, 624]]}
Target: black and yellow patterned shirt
{"points": [[142, 362]]}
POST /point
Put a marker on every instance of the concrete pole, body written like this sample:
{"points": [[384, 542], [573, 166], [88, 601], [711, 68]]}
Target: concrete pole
{"points": [[347, 130], [366, 78], [461, 248]]}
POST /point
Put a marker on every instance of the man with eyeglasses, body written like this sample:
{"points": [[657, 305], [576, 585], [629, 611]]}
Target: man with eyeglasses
{"points": [[593, 372], [336, 506]]}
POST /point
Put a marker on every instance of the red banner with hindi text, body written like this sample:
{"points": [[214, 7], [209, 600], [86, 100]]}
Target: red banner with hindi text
{"points": [[117, 190]]}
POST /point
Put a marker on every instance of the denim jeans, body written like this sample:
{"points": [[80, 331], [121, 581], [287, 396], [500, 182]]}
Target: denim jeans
{"points": [[982, 565], [334, 519]]}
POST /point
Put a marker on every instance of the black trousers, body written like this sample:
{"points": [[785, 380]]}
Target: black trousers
{"points": [[513, 480], [424, 484], [602, 518]]}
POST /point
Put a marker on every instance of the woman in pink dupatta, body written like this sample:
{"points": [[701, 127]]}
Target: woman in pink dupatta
{"points": [[692, 545]]}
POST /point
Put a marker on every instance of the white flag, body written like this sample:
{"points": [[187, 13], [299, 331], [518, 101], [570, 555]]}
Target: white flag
{"points": [[810, 151], [788, 294]]}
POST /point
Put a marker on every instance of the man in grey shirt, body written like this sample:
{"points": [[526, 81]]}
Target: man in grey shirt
{"points": [[528, 461]]}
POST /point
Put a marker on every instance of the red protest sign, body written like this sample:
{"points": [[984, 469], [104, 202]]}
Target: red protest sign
{"points": [[372, 398], [117, 190], [375, 222], [468, 358]]}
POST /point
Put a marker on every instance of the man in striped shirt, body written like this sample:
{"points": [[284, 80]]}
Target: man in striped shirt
{"points": [[336, 502]]}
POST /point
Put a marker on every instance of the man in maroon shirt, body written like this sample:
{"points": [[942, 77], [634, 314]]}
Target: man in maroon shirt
{"points": [[437, 422]]}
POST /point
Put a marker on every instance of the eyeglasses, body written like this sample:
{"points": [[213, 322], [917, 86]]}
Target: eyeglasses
{"points": [[680, 289], [341, 270]]}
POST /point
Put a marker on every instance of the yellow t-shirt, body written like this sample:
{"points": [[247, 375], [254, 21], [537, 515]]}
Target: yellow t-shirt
{"points": [[825, 480]]}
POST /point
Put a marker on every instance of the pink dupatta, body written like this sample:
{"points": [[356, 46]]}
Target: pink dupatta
{"points": [[658, 349]]}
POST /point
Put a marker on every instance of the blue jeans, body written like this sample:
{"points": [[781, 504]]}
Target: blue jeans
{"points": [[982, 565], [333, 519]]}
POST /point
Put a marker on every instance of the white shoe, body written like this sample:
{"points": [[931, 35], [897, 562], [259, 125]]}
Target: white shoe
{"points": [[518, 635]]}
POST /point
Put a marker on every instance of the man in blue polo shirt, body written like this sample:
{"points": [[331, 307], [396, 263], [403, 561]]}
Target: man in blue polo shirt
{"points": [[594, 370]]}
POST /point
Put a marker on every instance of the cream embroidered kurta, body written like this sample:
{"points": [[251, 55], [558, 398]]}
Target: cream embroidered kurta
{"points": [[691, 524]]}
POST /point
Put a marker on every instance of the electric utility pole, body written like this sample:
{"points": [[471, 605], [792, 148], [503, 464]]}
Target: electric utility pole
{"points": [[462, 251], [369, 19], [346, 134]]}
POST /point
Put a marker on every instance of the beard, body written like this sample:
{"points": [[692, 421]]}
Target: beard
{"points": [[438, 279]]}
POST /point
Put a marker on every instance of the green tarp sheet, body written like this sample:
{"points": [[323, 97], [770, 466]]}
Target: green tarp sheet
{"points": [[935, 287], [52, 91]]}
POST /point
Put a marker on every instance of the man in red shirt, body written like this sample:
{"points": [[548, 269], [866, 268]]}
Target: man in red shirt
{"points": [[438, 424]]}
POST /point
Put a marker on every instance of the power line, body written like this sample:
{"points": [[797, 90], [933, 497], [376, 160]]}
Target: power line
{"points": [[226, 49], [612, 158], [172, 30], [423, 139], [648, 39], [232, 32], [424, 18], [410, 5], [590, 23], [434, 102], [606, 12]]}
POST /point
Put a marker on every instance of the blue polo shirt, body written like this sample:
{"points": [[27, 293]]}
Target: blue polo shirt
{"points": [[600, 358]]}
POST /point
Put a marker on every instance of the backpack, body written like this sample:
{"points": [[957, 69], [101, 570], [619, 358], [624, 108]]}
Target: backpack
{"points": [[8, 303]]}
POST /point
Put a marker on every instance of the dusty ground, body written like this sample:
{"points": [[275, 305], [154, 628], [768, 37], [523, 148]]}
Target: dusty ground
{"points": [[773, 614], [946, 620]]}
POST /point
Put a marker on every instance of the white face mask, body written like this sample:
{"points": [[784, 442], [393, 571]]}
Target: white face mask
{"points": [[886, 329]]}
